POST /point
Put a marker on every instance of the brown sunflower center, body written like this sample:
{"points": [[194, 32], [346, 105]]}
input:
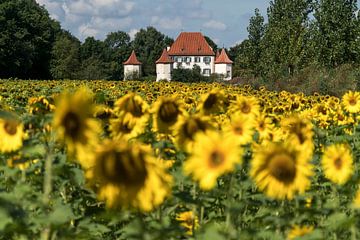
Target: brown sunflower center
{"points": [[72, 124], [216, 159], [193, 126], [10, 127], [123, 168], [352, 101], [282, 167], [245, 108], [133, 107], [238, 130], [210, 101], [338, 163], [168, 112]]}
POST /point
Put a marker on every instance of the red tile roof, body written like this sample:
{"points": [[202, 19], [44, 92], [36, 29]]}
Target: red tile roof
{"points": [[223, 58], [191, 44], [164, 58], [132, 60]]}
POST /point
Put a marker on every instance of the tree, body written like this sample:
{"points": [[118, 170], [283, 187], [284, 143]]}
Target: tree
{"points": [[65, 61], [149, 44], [118, 47], [337, 35], [256, 30], [26, 39], [94, 64], [286, 37], [211, 43]]}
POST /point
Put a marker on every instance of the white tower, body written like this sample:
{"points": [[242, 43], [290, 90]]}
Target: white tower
{"points": [[164, 67], [223, 65], [132, 67]]}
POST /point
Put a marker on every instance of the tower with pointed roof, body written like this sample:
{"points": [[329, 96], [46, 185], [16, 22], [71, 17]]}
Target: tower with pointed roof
{"points": [[223, 65], [132, 67], [164, 67]]}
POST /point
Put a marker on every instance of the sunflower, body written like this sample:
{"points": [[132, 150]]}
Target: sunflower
{"points": [[187, 127], [166, 112], [213, 155], [12, 134], [299, 132], [245, 105], [337, 163], [125, 126], [351, 102], [189, 221], [280, 170], [356, 201], [128, 176], [264, 126], [240, 128], [298, 231], [40, 105], [212, 102], [133, 105], [73, 120]]}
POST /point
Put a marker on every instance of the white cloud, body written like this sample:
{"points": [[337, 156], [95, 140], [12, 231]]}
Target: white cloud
{"points": [[216, 25], [132, 33], [166, 23]]}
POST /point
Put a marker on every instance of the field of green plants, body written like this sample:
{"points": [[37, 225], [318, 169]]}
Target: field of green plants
{"points": [[145, 160]]}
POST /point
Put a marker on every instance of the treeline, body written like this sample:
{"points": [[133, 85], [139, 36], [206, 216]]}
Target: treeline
{"points": [[307, 44], [33, 46]]}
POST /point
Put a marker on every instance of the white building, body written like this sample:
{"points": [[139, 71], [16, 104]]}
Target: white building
{"points": [[164, 67], [189, 49], [132, 67]]}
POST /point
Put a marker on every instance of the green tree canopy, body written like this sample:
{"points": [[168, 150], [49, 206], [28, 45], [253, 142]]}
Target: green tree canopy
{"points": [[65, 61], [149, 44], [26, 39]]}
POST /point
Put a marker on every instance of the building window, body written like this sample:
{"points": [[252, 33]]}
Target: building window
{"points": [[206, 72], [228, 74], [207, 60], [187, 60], [178, 59], [197, 59]]}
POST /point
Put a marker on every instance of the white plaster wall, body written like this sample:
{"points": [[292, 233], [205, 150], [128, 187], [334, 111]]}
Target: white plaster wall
{"points": [[201, 64], [130, 69], [163, 71], [223, 68]]}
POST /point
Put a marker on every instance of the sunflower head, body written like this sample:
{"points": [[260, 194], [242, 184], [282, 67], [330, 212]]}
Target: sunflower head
{"points": [[337, 163], [245, 105], [187, 127], [11, 132], [189, 221], [132, 104], [166, 112], [73, 119], [299, 231], [126, 175], [351, 102], [212, 103], [213, 155], [280, 170], [240, 128]]}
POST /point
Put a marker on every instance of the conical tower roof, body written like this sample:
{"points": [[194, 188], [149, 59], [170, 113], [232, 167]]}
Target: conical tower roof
{"points": [[164, 58], [132, 60], [223, 58]]}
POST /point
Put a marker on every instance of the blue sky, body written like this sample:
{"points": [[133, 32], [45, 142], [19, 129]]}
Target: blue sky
{"points": [[224, 21]]}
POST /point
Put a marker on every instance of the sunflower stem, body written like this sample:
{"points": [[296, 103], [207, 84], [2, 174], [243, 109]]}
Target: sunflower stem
{"points": [[47, 187]]}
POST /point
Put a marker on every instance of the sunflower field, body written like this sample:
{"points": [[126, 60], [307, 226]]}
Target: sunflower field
{"points": [[145, 160]]}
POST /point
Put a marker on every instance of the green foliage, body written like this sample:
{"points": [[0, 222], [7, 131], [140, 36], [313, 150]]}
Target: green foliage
{"points": [[337, 32], [26, 38], [188, 75], [65, 61], [149, 44]]}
